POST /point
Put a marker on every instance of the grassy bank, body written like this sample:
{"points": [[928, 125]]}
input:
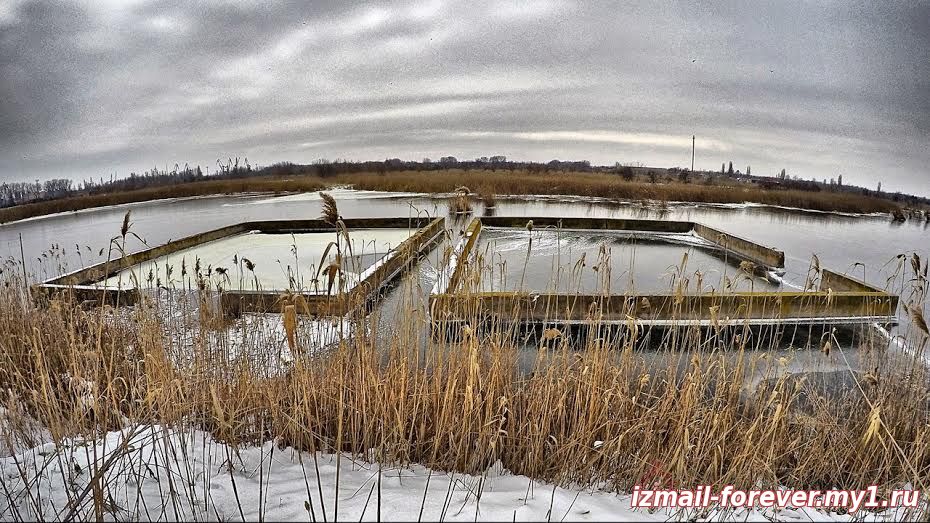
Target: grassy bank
{"points": [[611, 186], [487, 183], [205, 188]]}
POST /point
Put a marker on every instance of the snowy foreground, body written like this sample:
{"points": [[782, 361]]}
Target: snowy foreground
{"points": [[153, 473]]}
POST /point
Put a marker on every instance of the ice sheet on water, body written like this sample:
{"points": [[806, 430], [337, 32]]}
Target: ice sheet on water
{"points": [[280, 260], [555, 260], [338, 193]]}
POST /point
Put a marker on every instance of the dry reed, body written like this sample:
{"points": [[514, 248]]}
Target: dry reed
{"points": [[677, 407]]}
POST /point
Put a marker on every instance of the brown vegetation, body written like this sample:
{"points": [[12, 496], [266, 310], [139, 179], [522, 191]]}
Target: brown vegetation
{"points": [[464, 405], [611, 186], [485, 182], [204, 188], [584, 415], [712, 407]]}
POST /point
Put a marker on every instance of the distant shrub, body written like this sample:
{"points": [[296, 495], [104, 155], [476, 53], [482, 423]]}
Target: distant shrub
{"points": [[626, 172]]}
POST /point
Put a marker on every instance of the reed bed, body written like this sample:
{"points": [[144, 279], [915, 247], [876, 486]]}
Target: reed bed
{"points": [[611, 408], [610, 186]]}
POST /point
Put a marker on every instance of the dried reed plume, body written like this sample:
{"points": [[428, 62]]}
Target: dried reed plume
{"points": [[124, 230], [290, 326], [330, 211], [460, 203]]}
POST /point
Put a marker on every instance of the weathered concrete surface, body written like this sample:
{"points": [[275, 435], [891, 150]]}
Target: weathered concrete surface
{"points": [[845, 307], [840, 282], [463, 258], [87, 294], [754, 252], [235, 303], [103, 270]]}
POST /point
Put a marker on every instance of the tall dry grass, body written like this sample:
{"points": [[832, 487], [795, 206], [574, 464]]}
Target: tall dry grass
{"points": [[620, 407]]}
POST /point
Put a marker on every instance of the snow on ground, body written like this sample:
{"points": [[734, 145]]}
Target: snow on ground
{"points": [[156, 473]]}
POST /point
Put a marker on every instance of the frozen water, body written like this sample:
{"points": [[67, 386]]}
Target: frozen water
{"points": [[578, 261], [281, 261]]}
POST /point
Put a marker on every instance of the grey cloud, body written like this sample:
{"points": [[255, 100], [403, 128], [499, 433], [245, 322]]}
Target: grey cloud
{"points": [[819, 89]]}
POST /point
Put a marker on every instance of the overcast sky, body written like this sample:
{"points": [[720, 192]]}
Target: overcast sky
{"points": [[819, 89]]}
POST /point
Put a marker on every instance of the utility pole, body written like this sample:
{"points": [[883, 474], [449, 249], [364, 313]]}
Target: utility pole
{"points": [[692, 153]]}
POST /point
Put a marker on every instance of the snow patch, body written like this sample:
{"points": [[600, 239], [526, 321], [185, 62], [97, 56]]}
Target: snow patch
{"points": [[156, 473]]}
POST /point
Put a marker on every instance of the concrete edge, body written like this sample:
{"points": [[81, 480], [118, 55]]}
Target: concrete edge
{"points": [[759, 254], [80, 282], [776, 306]]}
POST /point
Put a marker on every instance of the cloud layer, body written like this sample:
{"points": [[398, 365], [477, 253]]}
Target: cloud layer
{"points": [[820, 89]]}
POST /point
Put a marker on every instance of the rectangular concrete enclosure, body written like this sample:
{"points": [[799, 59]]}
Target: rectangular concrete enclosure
{"points": [[372, 252], [838, 299]]}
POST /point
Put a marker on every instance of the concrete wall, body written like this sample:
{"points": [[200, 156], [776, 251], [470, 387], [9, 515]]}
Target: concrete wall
{"points": [[770, 307], [86, 294], [103, 270], [841, 298], [745, 249], [840, 282], [463, 258], [754, 252]]}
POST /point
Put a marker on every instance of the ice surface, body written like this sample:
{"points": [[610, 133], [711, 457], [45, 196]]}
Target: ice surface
{"points": [[338, 193], [281, 261], [574, 261]]}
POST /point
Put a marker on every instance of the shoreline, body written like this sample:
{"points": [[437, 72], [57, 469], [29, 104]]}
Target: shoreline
{"points": [[548, 198]]}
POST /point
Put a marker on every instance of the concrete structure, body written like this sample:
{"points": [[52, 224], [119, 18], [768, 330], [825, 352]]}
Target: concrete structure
{"points": [[84, 285], [838, 300]]}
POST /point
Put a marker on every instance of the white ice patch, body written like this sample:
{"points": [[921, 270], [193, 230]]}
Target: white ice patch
{"points": [[280, 261], [780, 278]]}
